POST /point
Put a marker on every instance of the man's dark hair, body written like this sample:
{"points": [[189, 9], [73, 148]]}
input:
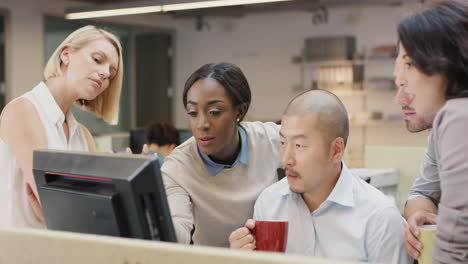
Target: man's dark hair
{"points": [[162, 133], [436, 39]]}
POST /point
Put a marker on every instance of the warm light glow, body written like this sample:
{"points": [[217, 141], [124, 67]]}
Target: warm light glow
{"points": [[164, 8], [219, 3], [114, 12]]}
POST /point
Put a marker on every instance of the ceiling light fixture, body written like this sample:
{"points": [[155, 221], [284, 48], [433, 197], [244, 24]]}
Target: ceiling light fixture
{"points": [[114, 12], [218, 3], [84, 13]]}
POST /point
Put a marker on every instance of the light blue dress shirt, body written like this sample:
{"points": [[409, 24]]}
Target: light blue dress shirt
{"points": [[243, 156], [356, 222], [160, 157]]}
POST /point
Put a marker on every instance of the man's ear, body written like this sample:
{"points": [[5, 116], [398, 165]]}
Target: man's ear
{"points": [[65, 55], [337, 148], [172, 146]]}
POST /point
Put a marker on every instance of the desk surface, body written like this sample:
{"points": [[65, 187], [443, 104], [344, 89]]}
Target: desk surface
{"points": [[52, 247]]}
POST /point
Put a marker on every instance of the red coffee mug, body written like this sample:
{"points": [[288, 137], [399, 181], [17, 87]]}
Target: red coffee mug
{"points": [[271, 235]]}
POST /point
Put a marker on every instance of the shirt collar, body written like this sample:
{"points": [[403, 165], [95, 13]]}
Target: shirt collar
{"points": [[52, 109], [243, 156], [72, 123], [284, 190], [160, 157], [342, 193]]}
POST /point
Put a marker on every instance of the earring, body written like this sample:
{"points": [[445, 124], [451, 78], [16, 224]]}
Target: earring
{"points": [[237, 120], [83, 102]]}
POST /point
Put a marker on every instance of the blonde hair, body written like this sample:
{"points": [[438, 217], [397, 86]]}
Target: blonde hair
{"points": [[106, 104]]}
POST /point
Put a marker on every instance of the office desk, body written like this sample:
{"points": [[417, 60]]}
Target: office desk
{"points": [[21, 246]]}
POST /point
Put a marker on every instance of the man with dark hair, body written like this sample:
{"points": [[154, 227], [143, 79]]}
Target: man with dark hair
{"points": [[161, 138], [431, 73], [331, 212]]}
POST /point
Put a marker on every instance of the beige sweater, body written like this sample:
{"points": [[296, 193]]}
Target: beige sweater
{"points": [[217, 205]]}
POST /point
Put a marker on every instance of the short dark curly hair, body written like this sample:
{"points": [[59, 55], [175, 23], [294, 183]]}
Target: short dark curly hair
{"points": [[436, 39], [162, 133]]}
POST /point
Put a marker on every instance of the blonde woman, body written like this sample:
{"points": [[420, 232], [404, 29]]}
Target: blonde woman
{"points": [[86, 69]]}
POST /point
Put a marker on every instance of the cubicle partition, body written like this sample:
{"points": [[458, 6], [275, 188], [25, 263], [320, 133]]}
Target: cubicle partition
{"points": [[21, 246], [406, 160]]}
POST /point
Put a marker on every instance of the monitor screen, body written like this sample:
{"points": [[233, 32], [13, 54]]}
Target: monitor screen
{"points": [[107, 194], [137, 139], [184, 134]]}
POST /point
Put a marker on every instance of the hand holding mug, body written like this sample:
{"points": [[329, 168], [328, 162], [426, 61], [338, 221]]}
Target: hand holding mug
{"points": [[261, 235], [426, 237], [242, 238], [412, 243], [271, 235]]}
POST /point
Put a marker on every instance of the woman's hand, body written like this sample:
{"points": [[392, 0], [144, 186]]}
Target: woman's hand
{"points": [[242, 238], [35, 204]]}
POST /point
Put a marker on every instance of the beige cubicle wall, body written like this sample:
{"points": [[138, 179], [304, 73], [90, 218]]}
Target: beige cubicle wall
{"points": [[21, 246], [407, 160]]}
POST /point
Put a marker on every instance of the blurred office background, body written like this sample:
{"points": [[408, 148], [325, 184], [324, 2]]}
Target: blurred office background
{"points": [[346, 46]]}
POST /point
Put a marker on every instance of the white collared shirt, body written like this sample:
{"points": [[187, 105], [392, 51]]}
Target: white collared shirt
{"points": [[15, 209], [52, 118], [243, 156], [356, 222]]}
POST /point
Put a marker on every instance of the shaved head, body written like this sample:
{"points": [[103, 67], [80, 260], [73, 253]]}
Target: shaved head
{"points": [[330, 113]]}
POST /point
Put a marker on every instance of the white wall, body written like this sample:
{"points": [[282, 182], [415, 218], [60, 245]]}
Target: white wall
{"points": [[24, 32], [263, 44], [24, 45]]}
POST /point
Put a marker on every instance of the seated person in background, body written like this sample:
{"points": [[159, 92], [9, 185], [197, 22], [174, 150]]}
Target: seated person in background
{"points": [[161, 138], [431, 72], [331, 212], [213, 179]]}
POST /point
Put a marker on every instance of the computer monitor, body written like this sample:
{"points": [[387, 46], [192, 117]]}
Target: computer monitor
{"points": [[137, 139], [184, 134], [108, 194]]}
